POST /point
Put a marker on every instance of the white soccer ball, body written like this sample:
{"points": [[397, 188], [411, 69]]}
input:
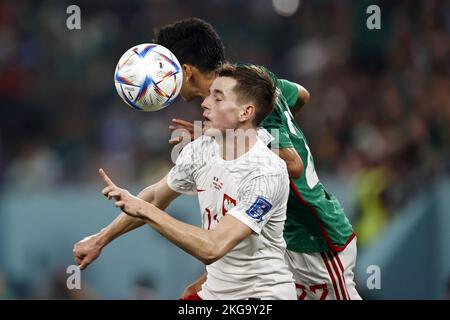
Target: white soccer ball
{"points": [[148, 77]]}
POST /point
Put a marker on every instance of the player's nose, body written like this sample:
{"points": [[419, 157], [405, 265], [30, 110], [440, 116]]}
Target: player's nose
{"points": [[205, 104]]}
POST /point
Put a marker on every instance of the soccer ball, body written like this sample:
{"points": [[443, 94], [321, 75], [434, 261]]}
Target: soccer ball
{"points": [[148, 77]]}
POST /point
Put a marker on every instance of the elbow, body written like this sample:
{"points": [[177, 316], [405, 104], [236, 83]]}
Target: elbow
{"points": [[295, 173], [295, 169], [209, 258], [304, 95], [209, 261], [212, 254]]}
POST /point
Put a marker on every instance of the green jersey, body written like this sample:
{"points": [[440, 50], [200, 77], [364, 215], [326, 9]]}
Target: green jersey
{"points": [[315, 219]]}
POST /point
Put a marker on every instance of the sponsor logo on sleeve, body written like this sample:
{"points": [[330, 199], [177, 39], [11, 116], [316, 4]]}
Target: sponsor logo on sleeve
{"points": [[259, 209]]}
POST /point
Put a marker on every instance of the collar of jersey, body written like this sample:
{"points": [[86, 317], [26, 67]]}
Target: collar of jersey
{"points": [[242, 156]]}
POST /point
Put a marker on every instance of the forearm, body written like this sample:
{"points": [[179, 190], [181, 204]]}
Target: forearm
{"points": [[196, 241], [119, 226], [125, 223]]}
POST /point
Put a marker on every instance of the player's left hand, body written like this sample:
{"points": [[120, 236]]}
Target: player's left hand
{"points": [[131, 205]]}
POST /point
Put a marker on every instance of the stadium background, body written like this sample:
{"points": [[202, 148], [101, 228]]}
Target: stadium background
{"points": [[377, 125]]}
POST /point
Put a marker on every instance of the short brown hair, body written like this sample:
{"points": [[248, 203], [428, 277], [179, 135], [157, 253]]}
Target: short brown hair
{"points": [[253, 85]]}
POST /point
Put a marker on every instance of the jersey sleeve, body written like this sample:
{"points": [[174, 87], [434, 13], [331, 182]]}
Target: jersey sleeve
{"points": [[259, 198], [289, 90], [181, 177], [279, 131], [284, 140]]}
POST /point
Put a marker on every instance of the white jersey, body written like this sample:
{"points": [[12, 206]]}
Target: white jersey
{"points": [[254, 189]]}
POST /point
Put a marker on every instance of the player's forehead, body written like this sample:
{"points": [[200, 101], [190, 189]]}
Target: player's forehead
{"points": [[224, 86]]}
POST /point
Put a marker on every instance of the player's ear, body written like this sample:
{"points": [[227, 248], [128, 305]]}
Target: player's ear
{"points": [[187, 72], [247, 112]]}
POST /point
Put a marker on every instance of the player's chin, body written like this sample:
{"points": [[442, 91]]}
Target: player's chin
{"points": [[187, 96], [209, 129]]}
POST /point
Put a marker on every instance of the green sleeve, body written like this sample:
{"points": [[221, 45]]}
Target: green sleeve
{"points": [[279, 132], [289, 90], [285, 140]]}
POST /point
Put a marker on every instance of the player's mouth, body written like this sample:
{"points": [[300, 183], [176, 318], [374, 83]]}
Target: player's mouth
{"points": [[206, 119]]}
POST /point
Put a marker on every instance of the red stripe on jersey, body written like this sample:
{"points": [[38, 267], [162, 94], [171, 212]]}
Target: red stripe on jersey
{"points": [[209, 217], [336, 292], [336, 256], [330, 244], [338, 275]]}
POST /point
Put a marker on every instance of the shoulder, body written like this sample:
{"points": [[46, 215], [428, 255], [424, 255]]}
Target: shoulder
{"points": [[267, 162], [201, 143]]}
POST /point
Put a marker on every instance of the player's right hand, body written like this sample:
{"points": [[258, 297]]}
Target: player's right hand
{"points": [[188, 128], [86, 251]]}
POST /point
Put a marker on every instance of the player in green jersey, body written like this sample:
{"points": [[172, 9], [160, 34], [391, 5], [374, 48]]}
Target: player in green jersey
{"points": [[320, 240], [321, 245]]}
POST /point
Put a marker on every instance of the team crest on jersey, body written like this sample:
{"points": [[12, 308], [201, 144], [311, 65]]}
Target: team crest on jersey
{"points": [[228, 203], [259, 209]]}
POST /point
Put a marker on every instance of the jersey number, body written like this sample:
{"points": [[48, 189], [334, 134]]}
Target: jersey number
{"points": [[289, 118], [313, 288], [311, 176]]}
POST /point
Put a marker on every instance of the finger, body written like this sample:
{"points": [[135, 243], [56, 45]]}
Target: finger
{"points": [[182, 123], [174, 127], [78, 261], [105, 178], [83, 265], [120, 204], [115, 193], [176, 140], [107, 190]]}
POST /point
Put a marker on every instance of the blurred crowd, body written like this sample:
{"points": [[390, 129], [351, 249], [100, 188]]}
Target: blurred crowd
{"points": [[378, 115]]}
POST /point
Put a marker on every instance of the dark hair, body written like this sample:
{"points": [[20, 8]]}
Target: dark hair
{"points": [[193, 41], [253, 85]]}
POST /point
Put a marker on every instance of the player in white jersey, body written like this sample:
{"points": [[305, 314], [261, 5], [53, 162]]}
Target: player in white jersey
{"points": [[242, 189], [247, 188]]}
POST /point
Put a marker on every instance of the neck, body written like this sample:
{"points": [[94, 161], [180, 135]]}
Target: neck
{"points": [[237, 142]]}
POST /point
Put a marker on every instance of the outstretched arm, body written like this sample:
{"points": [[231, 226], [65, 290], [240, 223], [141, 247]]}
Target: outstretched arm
{"points": [[206, 245], [159, 194], [88, 249]]}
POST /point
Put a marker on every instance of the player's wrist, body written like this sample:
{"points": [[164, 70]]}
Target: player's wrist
{"points": [[102, 238]]}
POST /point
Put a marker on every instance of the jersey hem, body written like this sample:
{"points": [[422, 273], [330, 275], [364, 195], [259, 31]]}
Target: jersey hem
{"points": [[330, 243]]}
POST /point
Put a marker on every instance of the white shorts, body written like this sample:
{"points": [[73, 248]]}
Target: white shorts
{"points": [[324, 275]]}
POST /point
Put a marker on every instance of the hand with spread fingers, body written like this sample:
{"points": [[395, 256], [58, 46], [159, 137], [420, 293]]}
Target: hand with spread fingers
{"points": [[131, 205]]}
